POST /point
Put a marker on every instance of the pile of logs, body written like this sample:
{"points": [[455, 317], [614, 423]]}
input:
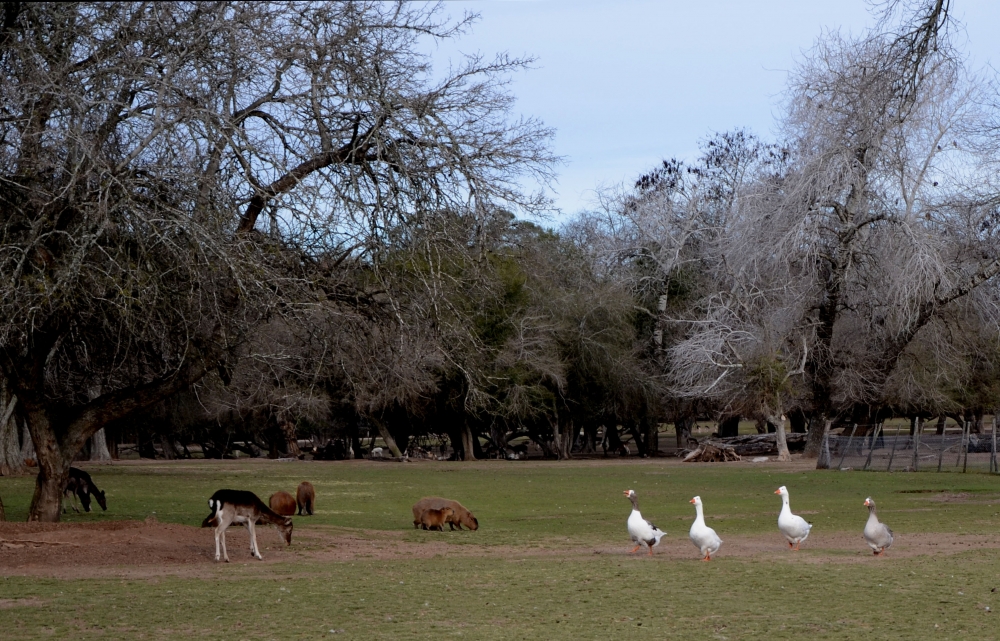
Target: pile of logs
{"points": [[732, 449], [709, 453]]}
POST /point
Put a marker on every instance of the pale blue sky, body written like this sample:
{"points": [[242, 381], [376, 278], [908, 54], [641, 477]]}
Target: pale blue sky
{"points": [[626, 84]]}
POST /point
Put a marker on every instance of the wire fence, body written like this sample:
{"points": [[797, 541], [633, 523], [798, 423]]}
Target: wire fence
{"points": [[872, 447]]}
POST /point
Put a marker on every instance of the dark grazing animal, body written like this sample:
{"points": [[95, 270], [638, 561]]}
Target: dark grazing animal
{"points": [[81, 486], [434, 519], [459, 517], [282, 503], [240, 506], [305, 496]]}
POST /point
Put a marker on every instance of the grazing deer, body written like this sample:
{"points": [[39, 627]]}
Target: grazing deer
{"points": [[240, 506], [81, 486], [305, 497]]}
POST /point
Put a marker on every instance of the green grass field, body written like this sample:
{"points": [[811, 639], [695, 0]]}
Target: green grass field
{"points": [[542, 523]]}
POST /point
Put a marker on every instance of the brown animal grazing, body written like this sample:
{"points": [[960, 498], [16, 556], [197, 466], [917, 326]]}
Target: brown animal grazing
{"points": [[305, 496], [459, 517], [239, 506], [431, 519], [282, 502]]}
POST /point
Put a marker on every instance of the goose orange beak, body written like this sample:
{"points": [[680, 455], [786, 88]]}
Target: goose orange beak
{"points": [[777, 491], [866, 502], [691, 501], [626, 492]]}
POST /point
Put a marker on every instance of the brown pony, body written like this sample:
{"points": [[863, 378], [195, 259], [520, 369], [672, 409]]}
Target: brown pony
{"points": [[282, 502], [459, 517], [305, 496], [431, 519]]}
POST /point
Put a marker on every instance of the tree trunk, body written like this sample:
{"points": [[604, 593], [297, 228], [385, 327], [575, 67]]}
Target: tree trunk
{"points": [[822, 428], [682, 428], [637, 437], [977, 420], [819, 427], [779, 425], [652, 437], [387, 437], [11, 462], [468, 449], [569, 436], [27, 446], [611, 439], [166, 443], [54, 459], [355, 441], [291, 439], [498, 434], [941, 424], [589, 438], [145, 444], [99, 447]]}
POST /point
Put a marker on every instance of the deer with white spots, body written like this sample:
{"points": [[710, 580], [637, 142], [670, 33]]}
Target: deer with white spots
{"points": [[242, 507]]}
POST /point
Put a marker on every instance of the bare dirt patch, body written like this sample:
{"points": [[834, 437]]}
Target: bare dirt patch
{"points": [[977, 498], [136, 549], [118, 547], [30, 602]]}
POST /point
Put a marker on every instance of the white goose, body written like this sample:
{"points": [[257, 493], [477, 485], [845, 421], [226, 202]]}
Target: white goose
{"points": [[877, 534], [641, 530], [793, 527], [703, 537]]}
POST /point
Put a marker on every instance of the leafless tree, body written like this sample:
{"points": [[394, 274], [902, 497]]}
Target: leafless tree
{"points": [[882, 221], [168, 170]]}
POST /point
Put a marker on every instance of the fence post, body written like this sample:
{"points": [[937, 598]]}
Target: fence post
{"points": [[892, 455], [993, 451], [849, 439], [917, 428], [968, 435], [941, 452], [961, 444], [871, 446]]}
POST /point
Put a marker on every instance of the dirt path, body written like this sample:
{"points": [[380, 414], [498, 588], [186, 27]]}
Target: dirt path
{"points": [[136, 549]]}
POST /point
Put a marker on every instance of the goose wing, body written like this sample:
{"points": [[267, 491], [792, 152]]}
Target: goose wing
{"points": [[704, 537], [883, 536], [794, 526]]}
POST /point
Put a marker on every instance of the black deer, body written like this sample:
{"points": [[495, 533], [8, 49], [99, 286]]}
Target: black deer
{"points": [[81, 486]]}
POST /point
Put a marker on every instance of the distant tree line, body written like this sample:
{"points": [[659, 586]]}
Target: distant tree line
{"points": [[235, 225]]}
